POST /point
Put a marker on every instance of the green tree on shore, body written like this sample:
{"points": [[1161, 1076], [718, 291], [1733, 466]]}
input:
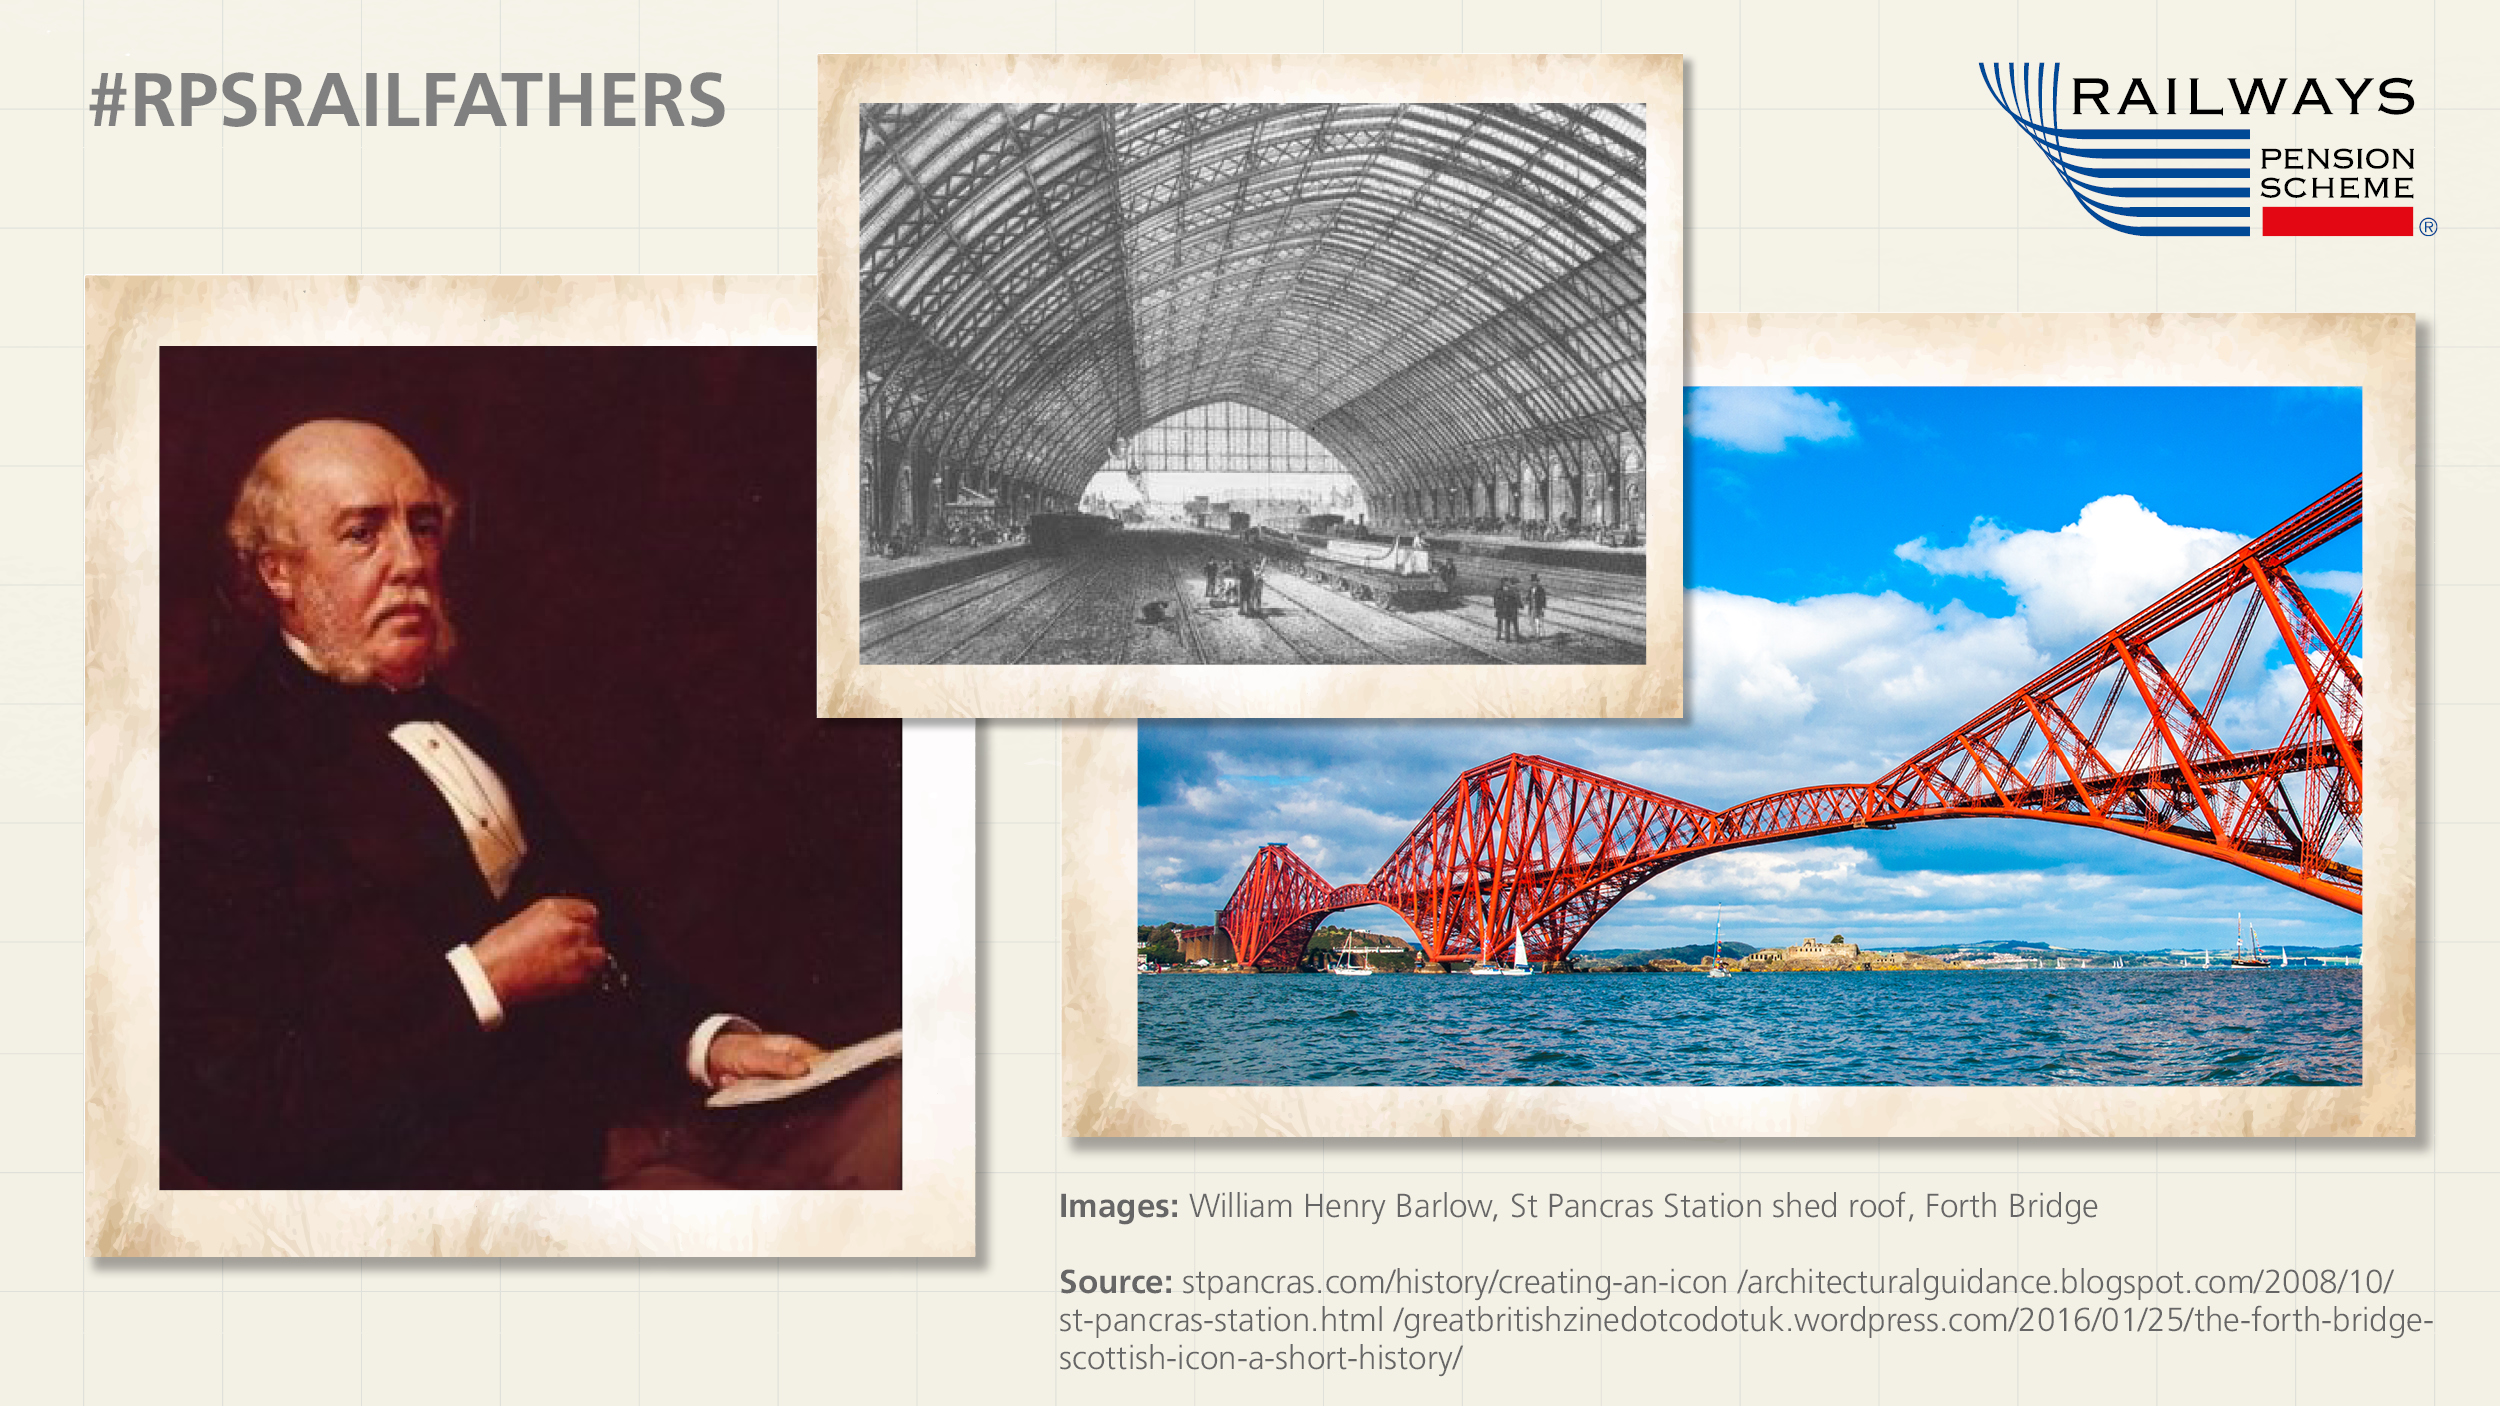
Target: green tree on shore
{"points": [[1158, 944]]}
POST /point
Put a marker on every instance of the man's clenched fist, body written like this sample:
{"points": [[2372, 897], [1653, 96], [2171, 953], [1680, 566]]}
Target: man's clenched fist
{"points": [[546, 950]]}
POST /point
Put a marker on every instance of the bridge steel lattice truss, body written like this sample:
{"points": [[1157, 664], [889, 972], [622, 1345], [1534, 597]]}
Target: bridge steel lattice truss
{"points": [[1528, 846]]}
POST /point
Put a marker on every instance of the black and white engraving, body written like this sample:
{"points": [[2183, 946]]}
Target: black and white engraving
{"points": [[1307, 383]]}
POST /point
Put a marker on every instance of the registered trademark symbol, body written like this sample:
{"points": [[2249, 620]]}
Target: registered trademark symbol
{"points": [[2428, 226]]}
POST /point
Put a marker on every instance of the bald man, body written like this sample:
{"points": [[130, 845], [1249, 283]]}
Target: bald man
{"points": [[387, 961]]}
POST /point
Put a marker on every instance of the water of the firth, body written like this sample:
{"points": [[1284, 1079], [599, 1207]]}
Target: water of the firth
{"points": [[2033, 1027]]}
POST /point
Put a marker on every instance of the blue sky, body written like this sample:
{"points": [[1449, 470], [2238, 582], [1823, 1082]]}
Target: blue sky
{"points": [[1867, 568]]}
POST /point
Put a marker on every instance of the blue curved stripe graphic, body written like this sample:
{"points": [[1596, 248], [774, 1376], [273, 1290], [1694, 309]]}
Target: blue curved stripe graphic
{"points": [[2028, 94], [2162, 173], [2135, 134], [2149, 153], [2170, 192], [2174, 212], [2156, 134]]}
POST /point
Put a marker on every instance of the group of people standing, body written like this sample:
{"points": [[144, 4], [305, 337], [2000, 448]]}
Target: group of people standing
{"points": [[1510, 598], [1245, 581]]}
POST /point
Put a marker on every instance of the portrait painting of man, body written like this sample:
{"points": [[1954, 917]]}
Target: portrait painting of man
{"points": [[498, 831]]}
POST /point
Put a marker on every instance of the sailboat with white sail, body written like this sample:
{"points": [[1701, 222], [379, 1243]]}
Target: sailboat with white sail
{"points": [[2245, 954], [1518, 961]]}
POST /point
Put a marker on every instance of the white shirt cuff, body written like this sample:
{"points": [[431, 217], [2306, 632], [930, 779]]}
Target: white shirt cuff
{"points": [[699, 1046], [472, 974]]}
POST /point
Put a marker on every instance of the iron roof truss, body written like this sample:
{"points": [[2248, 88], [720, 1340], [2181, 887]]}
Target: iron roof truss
{"points": [[1436, 292]]}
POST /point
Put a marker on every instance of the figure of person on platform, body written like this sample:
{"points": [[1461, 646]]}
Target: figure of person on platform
{"points": [[1505, 611], [386, 959], [1536, 606]]}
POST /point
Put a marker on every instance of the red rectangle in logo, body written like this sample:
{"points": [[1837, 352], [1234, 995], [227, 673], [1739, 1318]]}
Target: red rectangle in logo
{"points": [[2339, 219]]}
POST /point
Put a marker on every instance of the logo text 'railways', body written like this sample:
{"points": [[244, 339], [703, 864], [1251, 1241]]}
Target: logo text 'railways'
{"points": [[2257, 97], [2198, 179]]}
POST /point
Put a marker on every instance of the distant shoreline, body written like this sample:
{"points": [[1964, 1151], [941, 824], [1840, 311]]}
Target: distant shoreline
{"points": [[1883, 963]]}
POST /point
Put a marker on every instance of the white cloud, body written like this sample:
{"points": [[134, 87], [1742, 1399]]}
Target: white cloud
{"points": [[2116, 558], [1772, 874], [1762, 419], [1214, 893], [2258, 711], [2342, 583], [1838, 879], [1835, 688], [1778, 894]]}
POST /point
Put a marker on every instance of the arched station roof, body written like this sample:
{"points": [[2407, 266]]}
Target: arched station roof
{"points": [[1429, 290]]}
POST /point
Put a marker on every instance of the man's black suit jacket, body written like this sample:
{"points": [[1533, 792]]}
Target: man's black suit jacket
{"points": [[313, 1033]]}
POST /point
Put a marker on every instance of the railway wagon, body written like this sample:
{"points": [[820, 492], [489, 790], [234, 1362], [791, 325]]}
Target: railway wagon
{"points": [[1394, 573], [1058, 534]]}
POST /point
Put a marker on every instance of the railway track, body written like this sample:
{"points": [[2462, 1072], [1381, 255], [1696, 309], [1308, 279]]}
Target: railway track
{"points": [[1301, 655], [1371, 649], [1588, 624], [1185, 615], [1459, 635], [1003, 614], [1083, 609], [1008, 580], [1034, 639], [1609, 615]]}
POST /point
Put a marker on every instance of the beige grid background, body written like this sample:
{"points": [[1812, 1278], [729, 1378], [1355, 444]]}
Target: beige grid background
{"points": [[1841, 156]]}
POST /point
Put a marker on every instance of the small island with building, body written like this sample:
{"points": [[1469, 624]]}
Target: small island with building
{"points": [[1834, 954]]}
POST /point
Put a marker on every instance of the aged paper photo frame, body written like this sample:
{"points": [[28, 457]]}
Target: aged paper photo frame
{"points": [[1099, 1093], [128, 1212], [849, 688]]}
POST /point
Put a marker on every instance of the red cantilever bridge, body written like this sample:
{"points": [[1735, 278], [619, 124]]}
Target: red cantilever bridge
{"points": [[1531, 846]]}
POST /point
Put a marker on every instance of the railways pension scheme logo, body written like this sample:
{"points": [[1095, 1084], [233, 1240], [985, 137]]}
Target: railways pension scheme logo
{"points": [[2238, 165]]}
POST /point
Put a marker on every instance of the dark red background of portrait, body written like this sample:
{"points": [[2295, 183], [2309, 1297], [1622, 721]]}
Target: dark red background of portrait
{"points": [[633, 579]]}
